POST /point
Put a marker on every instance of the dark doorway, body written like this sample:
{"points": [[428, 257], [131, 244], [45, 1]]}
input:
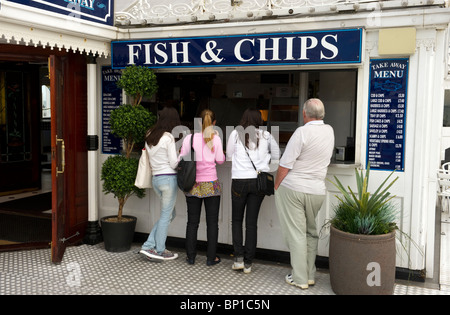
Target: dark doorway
{"points": [[19, 127], [31, 157]]}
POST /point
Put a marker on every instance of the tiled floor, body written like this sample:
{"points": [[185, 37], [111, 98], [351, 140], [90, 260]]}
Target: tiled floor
{"points": [[90, 270]]}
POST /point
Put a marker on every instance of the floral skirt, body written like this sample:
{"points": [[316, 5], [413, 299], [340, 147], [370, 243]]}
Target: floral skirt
{"points": [[205, 189]]}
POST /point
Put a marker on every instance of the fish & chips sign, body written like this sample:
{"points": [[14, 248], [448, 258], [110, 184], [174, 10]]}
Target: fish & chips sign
{"points": [[296, 48]]}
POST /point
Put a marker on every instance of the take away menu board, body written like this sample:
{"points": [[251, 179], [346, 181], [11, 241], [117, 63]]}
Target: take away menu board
{"points": [[111, 99], [387, 113]]}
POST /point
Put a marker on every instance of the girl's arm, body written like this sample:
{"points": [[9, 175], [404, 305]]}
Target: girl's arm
{"points": [[220, 156], [172, 153], [231, 145]]}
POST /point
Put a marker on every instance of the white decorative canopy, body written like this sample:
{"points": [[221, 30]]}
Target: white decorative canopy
{"points": [[20, 24], [169, 12]]}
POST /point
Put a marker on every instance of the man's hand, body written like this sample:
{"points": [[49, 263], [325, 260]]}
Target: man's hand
{"points": [[281, 174]]}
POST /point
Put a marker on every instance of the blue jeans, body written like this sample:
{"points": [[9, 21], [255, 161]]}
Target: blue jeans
{"points": [[165, 186]]}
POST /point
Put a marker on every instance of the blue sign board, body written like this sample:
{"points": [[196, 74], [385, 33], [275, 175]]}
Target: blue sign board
{"points": [[387, 114], [295, 48], [111, 99], [99, 11]]}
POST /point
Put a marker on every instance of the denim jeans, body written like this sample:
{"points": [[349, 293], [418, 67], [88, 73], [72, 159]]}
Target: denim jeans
{"points": [[165, 186], [245, 199], [194, 207]]}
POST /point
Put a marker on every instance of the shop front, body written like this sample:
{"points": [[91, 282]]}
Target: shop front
{"points": [[379, 67], [379, 78]]}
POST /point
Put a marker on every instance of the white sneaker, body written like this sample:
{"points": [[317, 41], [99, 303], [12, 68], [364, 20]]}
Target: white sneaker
{"points": [[151, 254], [247, 269], [291, 282], [238, 265], [168, 255]]}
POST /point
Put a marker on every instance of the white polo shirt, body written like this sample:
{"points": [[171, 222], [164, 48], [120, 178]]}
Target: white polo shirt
{"points": [[307, 157]]}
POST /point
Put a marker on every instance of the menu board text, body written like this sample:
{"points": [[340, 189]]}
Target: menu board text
{"points": [[387, 113]]}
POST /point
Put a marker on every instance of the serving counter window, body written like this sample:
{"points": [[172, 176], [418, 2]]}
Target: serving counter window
{"points": [[279, 96]]}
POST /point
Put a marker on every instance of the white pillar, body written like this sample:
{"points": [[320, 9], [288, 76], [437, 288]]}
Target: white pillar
{"points": [[91, 131], [93, 233]]}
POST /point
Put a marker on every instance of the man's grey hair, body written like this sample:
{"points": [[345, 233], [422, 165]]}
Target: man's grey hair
{"points": [[314, 108]]}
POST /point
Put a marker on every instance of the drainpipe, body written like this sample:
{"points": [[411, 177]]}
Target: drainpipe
{"points": [[93, 233]]}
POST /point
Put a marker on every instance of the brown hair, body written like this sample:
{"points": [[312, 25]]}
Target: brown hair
{"points": [[251, 118], [168, 118]]}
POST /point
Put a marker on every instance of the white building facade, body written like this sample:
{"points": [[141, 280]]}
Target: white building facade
{"points": [[381, 68]]}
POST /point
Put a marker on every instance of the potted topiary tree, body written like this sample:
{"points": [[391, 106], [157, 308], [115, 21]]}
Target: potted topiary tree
{"points": [[129, 122], [362, 249]]}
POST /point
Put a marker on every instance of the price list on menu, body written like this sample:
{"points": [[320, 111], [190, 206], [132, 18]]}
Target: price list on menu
{"points": [[387, 114], [111, 99]]}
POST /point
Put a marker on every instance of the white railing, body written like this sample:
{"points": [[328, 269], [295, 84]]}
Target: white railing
{"points": [[164, 12]]}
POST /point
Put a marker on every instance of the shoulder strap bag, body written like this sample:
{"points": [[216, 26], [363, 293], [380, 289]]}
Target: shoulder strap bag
{"points": [[144, 173], [186, 171], [264, 180]]}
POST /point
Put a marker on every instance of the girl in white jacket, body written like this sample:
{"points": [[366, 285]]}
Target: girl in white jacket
{"points": [[160, 146]]}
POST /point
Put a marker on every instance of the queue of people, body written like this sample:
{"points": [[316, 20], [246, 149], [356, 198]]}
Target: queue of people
{"points": [[299, 186]]}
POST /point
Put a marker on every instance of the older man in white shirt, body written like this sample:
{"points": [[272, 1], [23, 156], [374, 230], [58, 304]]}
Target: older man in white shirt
{"points": [[300, 190]]}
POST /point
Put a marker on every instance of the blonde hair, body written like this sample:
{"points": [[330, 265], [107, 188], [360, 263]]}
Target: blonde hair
{"points": [[208, 117]]}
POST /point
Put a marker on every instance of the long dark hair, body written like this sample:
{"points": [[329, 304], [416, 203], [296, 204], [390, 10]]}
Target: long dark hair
{"points": [[168, 118], [250, 118]]}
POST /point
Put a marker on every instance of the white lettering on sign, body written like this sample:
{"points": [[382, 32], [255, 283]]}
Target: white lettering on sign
{"points": [[388, 74], [263, 48], [237, 49], [328, 46], [89, 4], [296, 48], [160, 54], [183, 52]]}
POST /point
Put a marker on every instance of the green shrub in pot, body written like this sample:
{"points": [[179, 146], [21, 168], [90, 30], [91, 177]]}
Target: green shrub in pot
{"points": [[129, 122]]}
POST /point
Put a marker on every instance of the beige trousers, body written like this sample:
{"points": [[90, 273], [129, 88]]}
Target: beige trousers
{"points": [[297, 213]]}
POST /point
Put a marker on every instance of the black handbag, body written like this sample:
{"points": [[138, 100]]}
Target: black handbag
{"points": [[265, 183], [186, 171], [264, 180]]}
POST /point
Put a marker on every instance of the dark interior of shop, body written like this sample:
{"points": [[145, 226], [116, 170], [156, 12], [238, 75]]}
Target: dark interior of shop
{"points": [[276, 94]]}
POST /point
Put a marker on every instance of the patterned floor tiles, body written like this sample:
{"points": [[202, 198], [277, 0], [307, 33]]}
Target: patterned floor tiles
{"points": [[90, 270]]}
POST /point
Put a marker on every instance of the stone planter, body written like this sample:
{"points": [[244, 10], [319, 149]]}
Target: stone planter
{"points": [[362, 264]]}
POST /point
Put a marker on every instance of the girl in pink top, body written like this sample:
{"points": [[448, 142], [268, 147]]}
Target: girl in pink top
{"points": [[208, 152]]}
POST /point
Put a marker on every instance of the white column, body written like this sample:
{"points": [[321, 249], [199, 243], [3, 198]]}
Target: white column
{"points": [[92, 131], [93, 232]]}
